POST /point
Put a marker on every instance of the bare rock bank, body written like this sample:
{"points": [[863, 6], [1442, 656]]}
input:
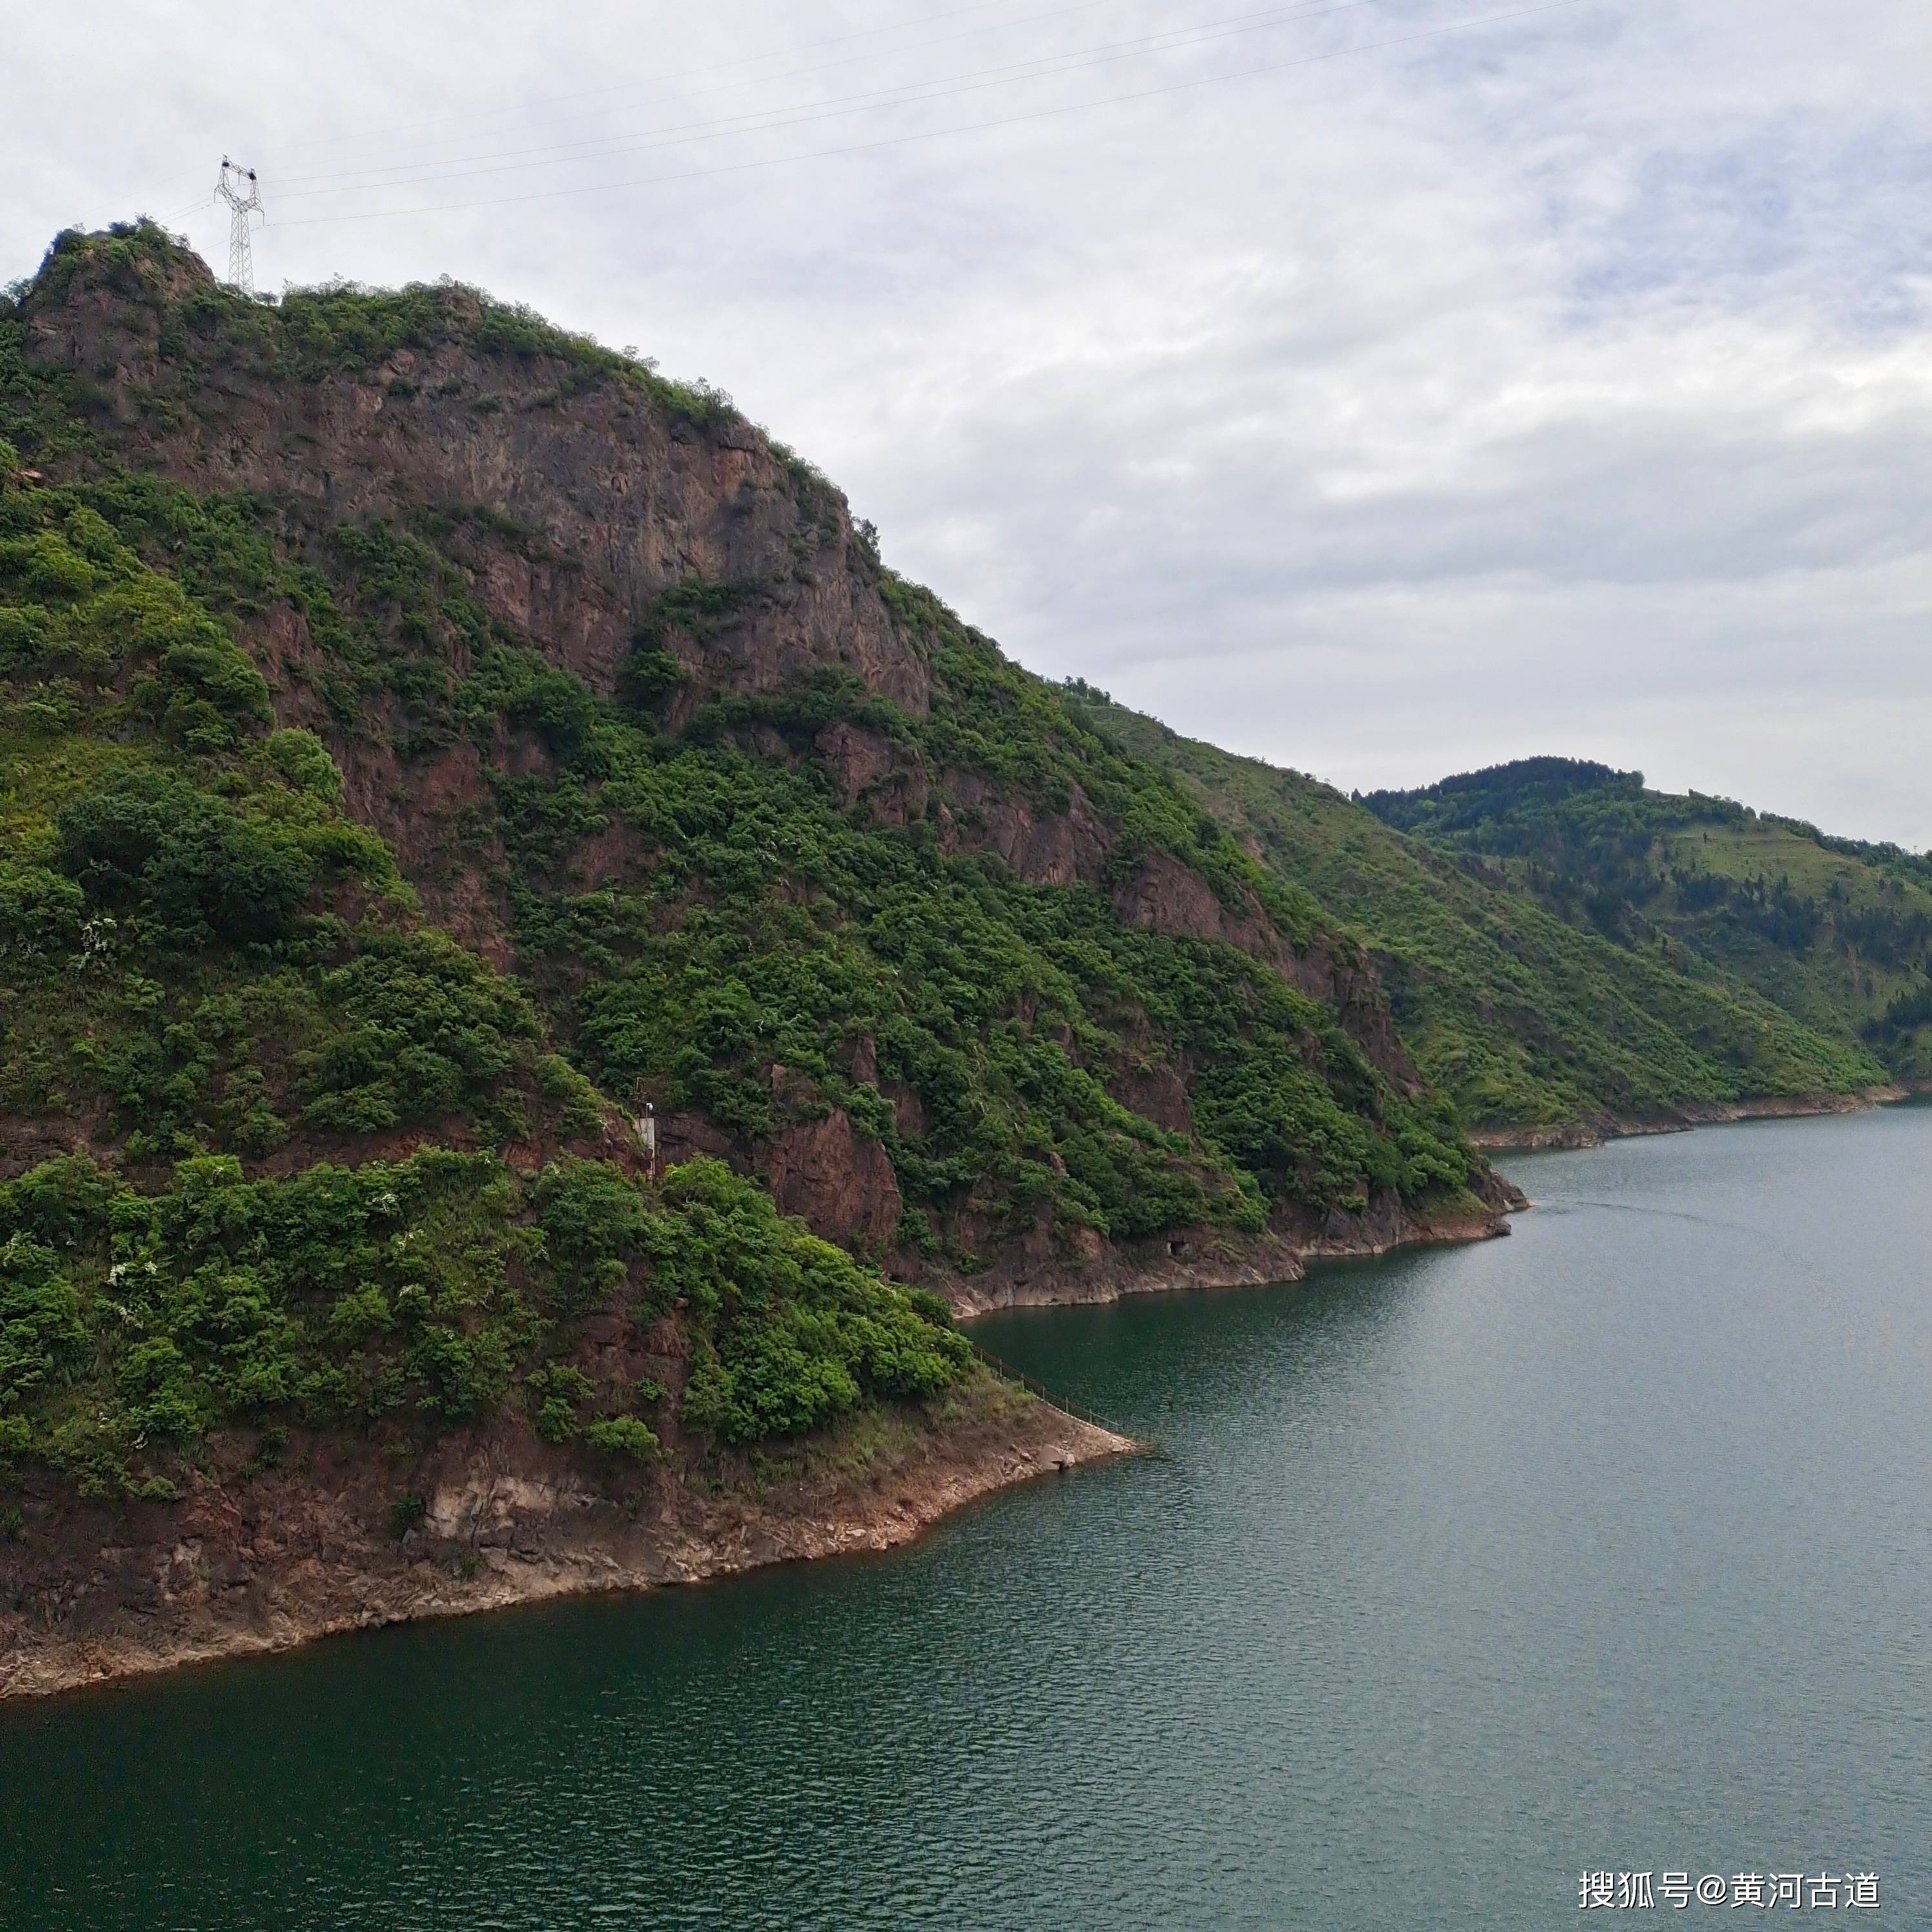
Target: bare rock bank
{"points": [[1594, 1132], [256, 1559], [1220, 1258]]}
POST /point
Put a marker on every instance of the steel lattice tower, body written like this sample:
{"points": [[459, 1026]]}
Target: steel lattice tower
{"points": [[237, 186]]}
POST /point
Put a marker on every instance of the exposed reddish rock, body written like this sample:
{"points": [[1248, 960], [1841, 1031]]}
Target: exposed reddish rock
{"points": [[683, 1136], [602, 497], [884, 774], [1055, 848], [908, 1110], [1156, 1093], [1162, 894], [864, 1062], [618, 853], [838, 1180], [792, 1092]]}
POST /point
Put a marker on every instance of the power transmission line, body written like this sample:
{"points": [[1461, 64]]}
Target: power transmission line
{"points": [[934, 133], [789, 73], [187, 207], [527, 112], [1046, 67]]}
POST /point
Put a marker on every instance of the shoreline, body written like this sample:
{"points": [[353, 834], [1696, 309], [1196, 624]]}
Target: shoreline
{"points": [[1219, 1260], [241, 1568], [246, 1567], [1598, 1133], [505, 1523]]}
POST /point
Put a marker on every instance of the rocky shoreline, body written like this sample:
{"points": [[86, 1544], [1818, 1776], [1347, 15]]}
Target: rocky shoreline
{"points": [[1218, 1259], [263, 1561], [255, 1560], [1694, 1114], [252, 1562]]}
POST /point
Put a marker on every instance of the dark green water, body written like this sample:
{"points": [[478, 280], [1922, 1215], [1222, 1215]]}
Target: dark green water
{"points": [[1606, 1547]]}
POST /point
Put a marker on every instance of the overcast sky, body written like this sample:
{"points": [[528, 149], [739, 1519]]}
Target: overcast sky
{"points": [[1382, 389]]}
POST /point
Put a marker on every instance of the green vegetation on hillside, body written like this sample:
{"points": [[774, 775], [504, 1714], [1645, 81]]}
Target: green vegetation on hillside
{"points": [[774, 928], [283, 1153], [1524, 1018], [201, 960], [770, 927], [202, 951], [1837, 933], [409, 1296]]}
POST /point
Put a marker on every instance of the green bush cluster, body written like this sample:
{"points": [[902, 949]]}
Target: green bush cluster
{"points": [[417, 1294], [798, 1332], [419, 1029], [330, 1298], [150, 846]]}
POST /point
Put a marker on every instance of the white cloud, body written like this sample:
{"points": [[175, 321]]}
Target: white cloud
{"points": [[1561, 385]]}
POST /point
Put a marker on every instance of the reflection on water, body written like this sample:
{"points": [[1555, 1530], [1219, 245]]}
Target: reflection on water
{"points": [[1459, 1575]]}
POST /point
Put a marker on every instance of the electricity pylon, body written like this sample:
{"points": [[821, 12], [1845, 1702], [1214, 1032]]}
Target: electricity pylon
{"points": [[237, 187]]}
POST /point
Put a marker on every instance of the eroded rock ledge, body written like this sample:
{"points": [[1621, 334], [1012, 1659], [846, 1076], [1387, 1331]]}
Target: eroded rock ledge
{"points": [[324, 1542], [1028, 1277]]}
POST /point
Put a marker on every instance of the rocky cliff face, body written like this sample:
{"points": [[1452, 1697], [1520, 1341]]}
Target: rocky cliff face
{"points": [[598, 498]]}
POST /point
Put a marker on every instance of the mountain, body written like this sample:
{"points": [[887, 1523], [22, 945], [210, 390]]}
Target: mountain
{"points": [[427, 738], [1536, 1024], [1835, 931]]}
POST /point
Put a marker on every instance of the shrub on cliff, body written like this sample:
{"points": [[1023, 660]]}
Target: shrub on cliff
{"points": [[147, 845]]}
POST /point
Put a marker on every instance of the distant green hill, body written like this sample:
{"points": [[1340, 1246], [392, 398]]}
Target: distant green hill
{"points": [[1837, 933], [1525, 1017]]}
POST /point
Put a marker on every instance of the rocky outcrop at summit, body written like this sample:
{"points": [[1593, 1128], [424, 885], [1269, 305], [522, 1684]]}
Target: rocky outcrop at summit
{"points": [[597, 502]]}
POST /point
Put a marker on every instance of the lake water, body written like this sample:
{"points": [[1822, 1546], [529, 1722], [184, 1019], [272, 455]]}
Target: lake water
{"points": [[1457, 1575]]}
